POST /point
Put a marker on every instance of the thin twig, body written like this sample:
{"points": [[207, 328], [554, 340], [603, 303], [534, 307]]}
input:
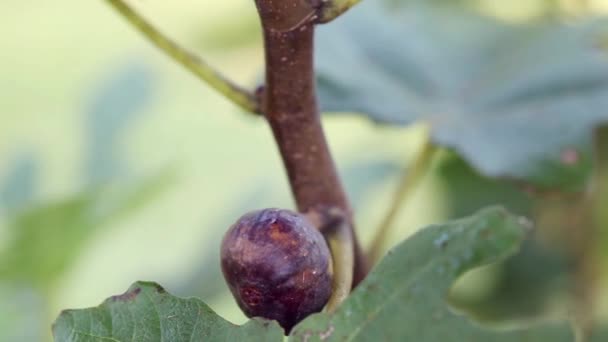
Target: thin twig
{"points": [[241, 97], [408, 184]]}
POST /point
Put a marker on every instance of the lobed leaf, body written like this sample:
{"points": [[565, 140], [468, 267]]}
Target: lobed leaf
{"points": [[146, 313], [404, 297], [516, 100]]}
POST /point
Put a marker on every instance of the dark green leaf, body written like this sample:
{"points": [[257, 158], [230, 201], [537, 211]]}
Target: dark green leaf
{"points": [[524, 286], [464, 190], [146, 312], [403, 299], [515, 100]]}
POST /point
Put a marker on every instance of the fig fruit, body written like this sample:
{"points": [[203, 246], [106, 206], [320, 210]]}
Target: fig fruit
{"points": [[277, 265]]}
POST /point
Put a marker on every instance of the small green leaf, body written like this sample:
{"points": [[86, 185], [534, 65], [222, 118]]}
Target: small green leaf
{"points": [[146, 312], [515, 100], [403, 299]]}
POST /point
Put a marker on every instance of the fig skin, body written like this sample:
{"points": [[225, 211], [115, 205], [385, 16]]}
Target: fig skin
{"points": [[277, 265]]}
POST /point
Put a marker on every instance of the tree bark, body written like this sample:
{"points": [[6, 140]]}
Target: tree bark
{"points": [[289, 104]]}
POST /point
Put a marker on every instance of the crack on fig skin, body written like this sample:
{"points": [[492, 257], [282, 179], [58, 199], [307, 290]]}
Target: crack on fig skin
{"points": [[281, 236], [127, 296]]}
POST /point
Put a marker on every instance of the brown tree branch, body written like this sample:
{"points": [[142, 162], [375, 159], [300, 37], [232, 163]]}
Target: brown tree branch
{"points": [[290, 106]]}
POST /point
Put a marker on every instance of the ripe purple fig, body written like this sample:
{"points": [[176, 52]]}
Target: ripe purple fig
{"points": [[277, 266]]}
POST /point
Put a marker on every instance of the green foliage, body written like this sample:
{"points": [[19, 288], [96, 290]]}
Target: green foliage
{"points": [[146, 312], [521, 287], [403, 297], [502, 95], [35, 255], [45, 240], [514, 101]]}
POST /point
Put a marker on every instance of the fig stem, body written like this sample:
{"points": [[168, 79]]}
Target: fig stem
{"points": [[290, 106], [245, 99], [340, 241], [335, 227], [413, 174]]}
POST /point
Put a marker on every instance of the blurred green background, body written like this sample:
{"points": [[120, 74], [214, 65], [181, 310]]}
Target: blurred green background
{"points": [[116, 165]]}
